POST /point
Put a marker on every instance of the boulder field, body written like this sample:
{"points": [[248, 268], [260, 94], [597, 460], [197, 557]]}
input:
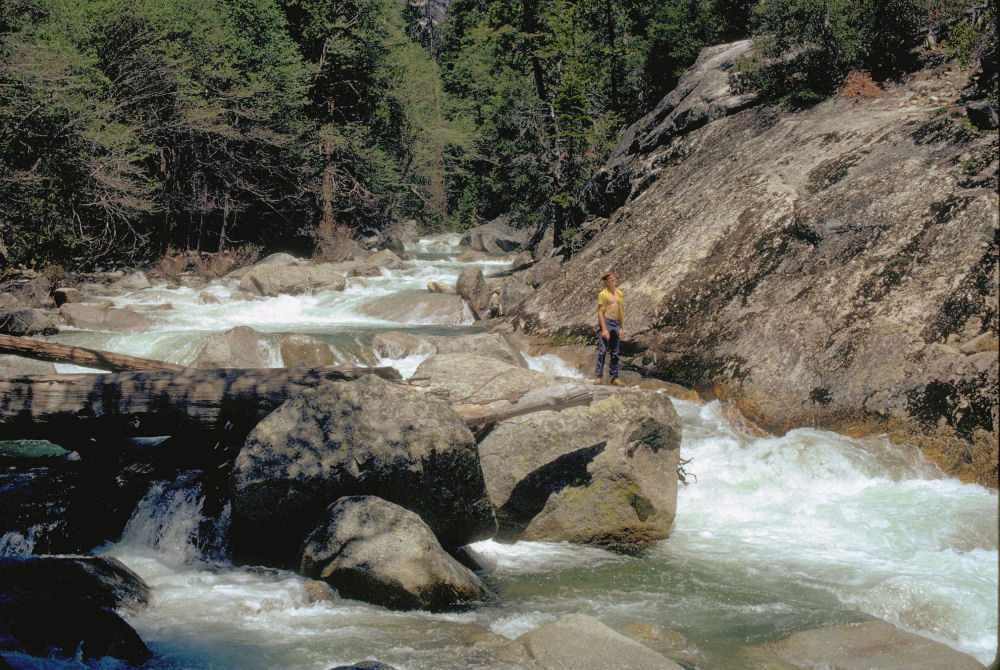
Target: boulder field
{"points": [[834, 266]]}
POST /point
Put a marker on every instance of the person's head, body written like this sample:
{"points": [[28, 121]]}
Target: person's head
{"points": [[609, 279]]}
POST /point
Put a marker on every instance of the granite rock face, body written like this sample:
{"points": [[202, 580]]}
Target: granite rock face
{"points": [[379, 552], [823, 267]]}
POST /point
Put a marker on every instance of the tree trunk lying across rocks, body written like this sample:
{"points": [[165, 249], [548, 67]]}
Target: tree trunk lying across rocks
{"points": [[75, 407], [91, 358]]}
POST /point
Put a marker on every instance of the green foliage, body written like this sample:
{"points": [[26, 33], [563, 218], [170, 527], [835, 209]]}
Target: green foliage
{"points": [[814, 44]]}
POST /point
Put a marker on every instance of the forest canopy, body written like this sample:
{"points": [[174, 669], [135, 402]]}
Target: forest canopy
{"points": [[130, 127]]}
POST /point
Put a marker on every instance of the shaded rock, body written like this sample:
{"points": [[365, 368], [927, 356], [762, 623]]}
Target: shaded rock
{"points": [[97, 317], [543, 271], [299, 349], [132, 282], [274, 280], [335, 441], [861, 646], [480, 344], [10, 302], [379, 552], [206, 298], [15, 366], [521, 261], [320, 592], [33, 293], [385, 259], [583, 643], [603, 474], [495, 236], [394, 243], [472, 286], [65, 606], [365, 270], [440, 287], [239, 347], [22, 322], [419, 307], [395, 344], [66, 294]]}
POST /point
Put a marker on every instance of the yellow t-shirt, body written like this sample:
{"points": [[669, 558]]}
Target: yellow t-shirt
{"points": [[602, 301]]}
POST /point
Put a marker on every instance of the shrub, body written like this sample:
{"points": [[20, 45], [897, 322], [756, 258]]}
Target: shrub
{"points": [[859, 86], [173, 264], [336, 244]]}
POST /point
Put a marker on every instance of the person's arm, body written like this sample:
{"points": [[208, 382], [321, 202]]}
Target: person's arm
{"points": [[621, 316], [602, 305]]}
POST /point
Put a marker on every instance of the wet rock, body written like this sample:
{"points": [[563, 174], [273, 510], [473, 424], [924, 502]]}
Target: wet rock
{"points": [[98, 317], [334, 441], [65, 606], [419, 307], [365, 270], [273, 280], [480, 344], [379, 552], [239, 347], [859, 646], [206, 298], [66, 294], [603, 474], [26, 322], [395, 344], [583, 643], [298, 349], [470, 257], [440, 287]]}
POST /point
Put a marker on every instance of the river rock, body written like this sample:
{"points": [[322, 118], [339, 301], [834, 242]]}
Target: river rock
{"points": [[513, 291], [66, 606], [440, 287], [101, 317], [132, 282], [273, 280], [299, 349], [495, 236], [26, 322], [33, 292], [379, 552], [335, 441], [365, 665], [603, 474], [65, 294], [419, 307], [472, 286], [470, 257], [480, 380], [385, 259], [860, 646], [396, 344], [581, 642], [239, 347], [803, 264], [15, 366], [365, 270], [280, 259], [480, 344], [206, 298]]}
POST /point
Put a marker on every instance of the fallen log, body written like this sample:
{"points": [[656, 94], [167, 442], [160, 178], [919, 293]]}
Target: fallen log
{"points": [[90, 358], [556, 397], [73, 408]]}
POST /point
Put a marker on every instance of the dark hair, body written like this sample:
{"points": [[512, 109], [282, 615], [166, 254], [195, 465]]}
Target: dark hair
{"points": [[607, 274]]}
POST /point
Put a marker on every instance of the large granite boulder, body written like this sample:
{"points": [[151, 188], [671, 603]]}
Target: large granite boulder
{"points": [[299, 349], [66, 607], [603, 474], [26, 322], [514, 290], [99, 317], [581, 642], [472, 286], [385, 258], [481, 344], [135, 281], [373, 550], [480, 380], [364, 437], [860, 646], [495, 236], [818, 268], [397, 344], [239, 347], [419, 307], [270, 280]]}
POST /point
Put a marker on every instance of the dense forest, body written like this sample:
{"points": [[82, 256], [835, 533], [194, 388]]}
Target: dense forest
{"points": [[132, 127]]}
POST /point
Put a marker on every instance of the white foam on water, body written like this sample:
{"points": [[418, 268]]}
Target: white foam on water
{"points": [[553, 365]]}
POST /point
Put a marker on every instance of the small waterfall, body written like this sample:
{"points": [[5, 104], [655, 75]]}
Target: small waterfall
{"points": [[171, 524]]}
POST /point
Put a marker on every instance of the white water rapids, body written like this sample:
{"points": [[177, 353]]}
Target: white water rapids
{"points": [[776, 535]]}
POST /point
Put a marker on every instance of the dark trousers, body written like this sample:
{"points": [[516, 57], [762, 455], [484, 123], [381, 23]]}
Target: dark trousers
{"points": [[615, 331]]}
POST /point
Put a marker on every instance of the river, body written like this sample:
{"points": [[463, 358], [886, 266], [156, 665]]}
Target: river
{"points": [[772, 535]]}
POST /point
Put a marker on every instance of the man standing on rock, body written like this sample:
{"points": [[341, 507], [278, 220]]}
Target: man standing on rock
{"points": [[610, 316]]}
